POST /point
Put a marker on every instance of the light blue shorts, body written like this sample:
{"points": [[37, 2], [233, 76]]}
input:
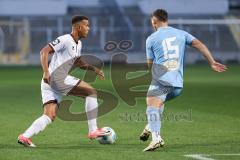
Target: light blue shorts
{"points": [[165, 93]]}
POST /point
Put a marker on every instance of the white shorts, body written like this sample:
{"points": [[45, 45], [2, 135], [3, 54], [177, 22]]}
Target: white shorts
{"points": [[51, 95]]}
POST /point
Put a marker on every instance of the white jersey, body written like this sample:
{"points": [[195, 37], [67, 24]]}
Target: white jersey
{"points": [[66, 49]]}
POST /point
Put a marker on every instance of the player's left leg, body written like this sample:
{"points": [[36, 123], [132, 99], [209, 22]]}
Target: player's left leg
{"points": [[156, 97], [154, 105], [83, 89], [144, 136]]}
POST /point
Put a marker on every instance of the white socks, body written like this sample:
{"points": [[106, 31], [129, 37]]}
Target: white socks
{"points": [[91, 108], [37, 126], [156, 136]]}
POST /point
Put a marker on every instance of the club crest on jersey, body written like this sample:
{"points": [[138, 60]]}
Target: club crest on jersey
{"points": [[55, 42], [73, 48]]}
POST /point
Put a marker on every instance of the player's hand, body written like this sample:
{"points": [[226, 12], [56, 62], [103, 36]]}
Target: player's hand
{"points": [[46, 77], [100, 73], [218, 67]]}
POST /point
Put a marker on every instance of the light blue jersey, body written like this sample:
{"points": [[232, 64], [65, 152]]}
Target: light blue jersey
{"points": [[166, 47]]}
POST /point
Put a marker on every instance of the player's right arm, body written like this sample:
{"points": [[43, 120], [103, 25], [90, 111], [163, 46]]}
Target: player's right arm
{"points": [[45, 51], [216, 66], [192, 41], [54, 46]]}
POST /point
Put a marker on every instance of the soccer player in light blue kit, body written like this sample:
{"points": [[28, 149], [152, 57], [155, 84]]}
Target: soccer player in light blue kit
{"points": [[165, 50]]}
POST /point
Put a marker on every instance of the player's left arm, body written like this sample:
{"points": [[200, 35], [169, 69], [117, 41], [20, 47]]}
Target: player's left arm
{"points": [[149, 53], [149, 63], [85, 66], [216, 66]]}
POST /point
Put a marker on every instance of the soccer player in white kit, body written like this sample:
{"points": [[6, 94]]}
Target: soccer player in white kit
{"points": [[56, 82]]}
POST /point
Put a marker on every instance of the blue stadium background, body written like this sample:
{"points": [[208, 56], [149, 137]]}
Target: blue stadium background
{"points": [[215, 22]]}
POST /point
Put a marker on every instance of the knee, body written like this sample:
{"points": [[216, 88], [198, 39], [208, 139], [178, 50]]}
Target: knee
{"points": [[52, 116], [150, 101], [154, 101], [93, 93], [51, 110]]}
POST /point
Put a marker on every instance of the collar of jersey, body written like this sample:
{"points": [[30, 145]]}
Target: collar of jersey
{"points": [[73, 39], [162, 28]]}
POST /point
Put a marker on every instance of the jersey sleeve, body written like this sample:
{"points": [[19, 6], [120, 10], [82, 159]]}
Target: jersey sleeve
{"points": [[58, 44], [149, 51], [189, 38]]}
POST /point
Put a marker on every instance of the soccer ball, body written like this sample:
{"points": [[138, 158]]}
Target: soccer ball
{"points": [[110, 138]]}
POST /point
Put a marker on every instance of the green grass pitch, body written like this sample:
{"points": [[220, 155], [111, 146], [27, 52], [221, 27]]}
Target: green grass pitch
{"points": [[204, 119]]}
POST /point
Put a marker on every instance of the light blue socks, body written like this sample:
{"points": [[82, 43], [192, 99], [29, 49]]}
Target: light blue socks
{"points": [[153, 118], [154, 121]]}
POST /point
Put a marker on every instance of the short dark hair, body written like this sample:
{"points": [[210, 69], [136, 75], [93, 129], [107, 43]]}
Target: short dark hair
{"points": [[76, 19], [160, 14]]}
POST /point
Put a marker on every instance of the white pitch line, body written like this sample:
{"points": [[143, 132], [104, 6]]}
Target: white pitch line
{"points": [[198, 156], [206, 156], [233, 154]]}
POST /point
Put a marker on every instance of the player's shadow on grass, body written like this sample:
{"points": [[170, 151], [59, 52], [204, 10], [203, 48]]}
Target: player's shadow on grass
{"points": [[55, 146], [117, 146], [90, 146], [132, 146], [67, 146]]}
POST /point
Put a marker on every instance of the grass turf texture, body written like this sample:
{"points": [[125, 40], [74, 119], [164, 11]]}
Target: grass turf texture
{"points": [[209, 106]]}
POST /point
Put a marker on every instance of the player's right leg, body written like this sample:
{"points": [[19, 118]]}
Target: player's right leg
{"points": [[50, 100], [38, 125]]}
